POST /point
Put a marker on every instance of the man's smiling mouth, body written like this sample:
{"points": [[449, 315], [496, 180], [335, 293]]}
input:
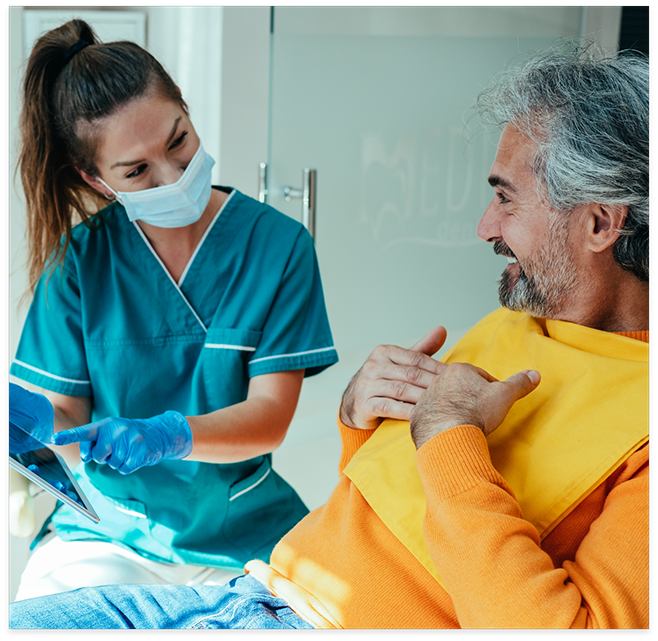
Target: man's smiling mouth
{"points": [[502, 249]]}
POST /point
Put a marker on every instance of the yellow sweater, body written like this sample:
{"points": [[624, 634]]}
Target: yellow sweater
{"points": [[342, 567]]}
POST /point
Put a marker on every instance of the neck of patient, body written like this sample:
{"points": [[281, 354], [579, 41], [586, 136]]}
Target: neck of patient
{"points": [[612, 300]]}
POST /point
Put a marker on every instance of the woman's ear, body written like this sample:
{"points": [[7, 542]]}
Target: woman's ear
{"points": [[96, 184]]}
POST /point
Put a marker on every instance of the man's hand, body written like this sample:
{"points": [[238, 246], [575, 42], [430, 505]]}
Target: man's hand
{"points": [[391, 382], [466, 395]]}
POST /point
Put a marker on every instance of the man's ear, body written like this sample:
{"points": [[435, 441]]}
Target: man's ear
{"points": [[604, 224]]}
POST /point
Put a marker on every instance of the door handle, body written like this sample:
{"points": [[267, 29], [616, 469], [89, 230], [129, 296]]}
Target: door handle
{"points": [[307, 193], [262, 182]]}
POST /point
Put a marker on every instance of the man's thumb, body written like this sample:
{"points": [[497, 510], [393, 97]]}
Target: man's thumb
{"points": [[432, 342], [524, 382]]}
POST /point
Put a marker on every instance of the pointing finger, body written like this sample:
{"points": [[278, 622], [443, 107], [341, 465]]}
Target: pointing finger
{"points": [[77, 434]]}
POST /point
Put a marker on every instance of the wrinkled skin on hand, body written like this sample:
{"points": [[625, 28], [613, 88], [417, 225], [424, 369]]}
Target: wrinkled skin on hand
{"points": [[466, 395], [391, 382]]}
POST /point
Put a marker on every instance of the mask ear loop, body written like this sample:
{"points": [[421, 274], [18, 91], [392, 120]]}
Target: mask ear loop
{"points": [[114, 196]]}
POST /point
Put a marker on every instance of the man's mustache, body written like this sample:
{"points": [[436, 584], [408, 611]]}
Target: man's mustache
{"points": [[501, 249]]}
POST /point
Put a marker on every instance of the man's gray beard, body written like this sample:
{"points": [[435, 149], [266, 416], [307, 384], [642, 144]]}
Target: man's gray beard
{"points": [[544, 293]]}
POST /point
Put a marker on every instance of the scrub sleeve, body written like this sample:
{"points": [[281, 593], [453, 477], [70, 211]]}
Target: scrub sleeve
{"points": [[112, 324]]}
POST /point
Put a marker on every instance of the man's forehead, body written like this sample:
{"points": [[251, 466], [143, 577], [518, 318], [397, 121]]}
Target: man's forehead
{"points": [[514, 160]]}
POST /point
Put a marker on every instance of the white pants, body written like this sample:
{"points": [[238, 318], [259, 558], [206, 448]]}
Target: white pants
{"points": [[59, 566]]}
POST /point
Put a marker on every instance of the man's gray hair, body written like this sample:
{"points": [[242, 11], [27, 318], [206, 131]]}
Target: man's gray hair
{"points": [[589, 115]]}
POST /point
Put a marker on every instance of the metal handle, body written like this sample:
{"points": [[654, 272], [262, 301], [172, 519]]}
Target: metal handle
{"points": [[307, 194], [262, 182]]}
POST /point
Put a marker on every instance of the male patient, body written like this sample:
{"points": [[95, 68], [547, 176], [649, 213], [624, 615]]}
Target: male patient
{"points": [[485, 497]]}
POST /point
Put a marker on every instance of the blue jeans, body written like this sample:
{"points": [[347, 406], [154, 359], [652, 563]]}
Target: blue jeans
{"points": [[244, 603]]}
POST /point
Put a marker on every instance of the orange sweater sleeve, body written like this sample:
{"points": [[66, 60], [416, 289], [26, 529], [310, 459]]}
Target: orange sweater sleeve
{"points": [[352, 439], [490, 558]]}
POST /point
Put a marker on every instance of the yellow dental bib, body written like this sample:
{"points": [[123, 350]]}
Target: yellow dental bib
{"points": [[588, 414]]}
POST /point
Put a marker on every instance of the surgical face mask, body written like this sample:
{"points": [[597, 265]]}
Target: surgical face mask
{"points": [[177, 205]]}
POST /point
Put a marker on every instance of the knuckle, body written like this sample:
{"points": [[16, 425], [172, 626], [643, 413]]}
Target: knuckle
{"points": [[413, 374], [417, 359], [380, 407], [368, 367], [458, 368], [399, 389], [379, 352]]}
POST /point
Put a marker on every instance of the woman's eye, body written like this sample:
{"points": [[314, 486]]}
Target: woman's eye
{"points": [[136, 172], [142, 168], [179, 141]]}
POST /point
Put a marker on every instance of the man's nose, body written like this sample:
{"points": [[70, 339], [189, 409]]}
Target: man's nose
{"points": [[489, 225]]}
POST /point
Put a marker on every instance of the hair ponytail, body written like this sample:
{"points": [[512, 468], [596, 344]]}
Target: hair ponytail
{"points": [[69, 86]]}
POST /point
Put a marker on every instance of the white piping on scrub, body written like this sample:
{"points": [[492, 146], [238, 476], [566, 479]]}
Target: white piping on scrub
{"points": [[311, 351], [59, 378], [222, 346], [196, 251], [175, 284], [251, 487]]}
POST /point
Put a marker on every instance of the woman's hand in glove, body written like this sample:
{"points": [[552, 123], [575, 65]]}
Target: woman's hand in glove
{"points": [[128, 444], [33, 414]]}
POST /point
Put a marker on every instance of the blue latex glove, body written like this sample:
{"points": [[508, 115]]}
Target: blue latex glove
{"points": [[33, 413], [128, 444], [58, 485]]}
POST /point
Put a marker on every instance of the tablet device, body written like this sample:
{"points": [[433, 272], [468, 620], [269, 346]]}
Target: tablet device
{"points": [[47, 469]]}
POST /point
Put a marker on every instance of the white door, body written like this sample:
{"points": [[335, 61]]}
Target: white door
{"points": [[376, 100]]}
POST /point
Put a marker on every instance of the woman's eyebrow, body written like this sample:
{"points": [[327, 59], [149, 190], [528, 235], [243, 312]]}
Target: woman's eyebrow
{"points": [[129, 163], [173, 131]]}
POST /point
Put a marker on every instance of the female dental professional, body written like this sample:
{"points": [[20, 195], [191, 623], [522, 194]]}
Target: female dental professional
{"points": [[172, 329]]}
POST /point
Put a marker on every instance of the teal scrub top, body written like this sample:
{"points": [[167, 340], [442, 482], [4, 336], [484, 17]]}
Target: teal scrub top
{"points": [[111, 323]]}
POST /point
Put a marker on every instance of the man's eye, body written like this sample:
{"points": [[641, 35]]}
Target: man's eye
{"points": [[502, 197]]}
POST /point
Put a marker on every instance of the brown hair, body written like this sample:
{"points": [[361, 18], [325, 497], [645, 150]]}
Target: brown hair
{"points": [[67, 91]]}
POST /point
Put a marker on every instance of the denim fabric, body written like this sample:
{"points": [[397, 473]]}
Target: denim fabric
{"points": [[244, 603]]}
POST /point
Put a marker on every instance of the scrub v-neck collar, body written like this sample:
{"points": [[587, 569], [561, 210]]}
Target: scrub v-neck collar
{"points": [[177, 285]]}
